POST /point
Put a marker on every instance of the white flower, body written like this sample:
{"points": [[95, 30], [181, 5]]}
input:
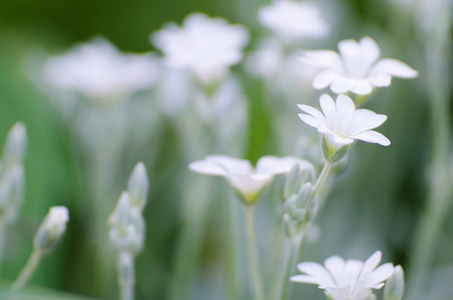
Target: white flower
{"points": [[51, 229], [248, 182], [97, 69], [205, 46], [292, 21], [341, 123], [356, 68], [350, 280]]}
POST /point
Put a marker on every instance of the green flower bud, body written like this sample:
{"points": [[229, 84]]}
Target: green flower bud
{"points": [[51, 229], [137, 186], [394, 288], [14, 148], [293, 182], [331, 153], [295, 212]]}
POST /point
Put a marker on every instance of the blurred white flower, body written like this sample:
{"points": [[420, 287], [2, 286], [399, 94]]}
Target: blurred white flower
{"points": [[356, 68], [97, 69], [51, 229], [292, 20], [205, 46], [346, 280], [341, 123], [249, 183]]}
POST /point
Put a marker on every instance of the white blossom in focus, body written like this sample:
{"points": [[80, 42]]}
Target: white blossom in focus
{"points": [[205, 46], [346, 280], [356, 68], [247, 181], [341, 123], [99, 70], [292, 20]]}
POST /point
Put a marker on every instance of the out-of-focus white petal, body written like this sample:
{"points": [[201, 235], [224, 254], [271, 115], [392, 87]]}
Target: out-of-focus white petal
{"points": [[369, 47], [323, 79], [372, 136], [307, 279], [342, 84], [393, 67], [338, 293], [230, 164], [207, 167], [381, 80], [324, 59], [336, 267], [317, 271], [380, 274], [278, 165], [362, 87]]}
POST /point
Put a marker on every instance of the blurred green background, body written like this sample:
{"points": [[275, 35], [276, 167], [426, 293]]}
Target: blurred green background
{"points": [[376, 204]]}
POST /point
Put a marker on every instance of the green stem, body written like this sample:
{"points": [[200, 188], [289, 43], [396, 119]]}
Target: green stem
{"points": [[27, 271], [291, 262], [321, 180], [126, 275], [252, 256]]}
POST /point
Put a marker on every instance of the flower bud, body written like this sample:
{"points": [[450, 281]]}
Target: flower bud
{"points": [[394, 288], [137, 186], [304, 195], [51, 229], [295, 212], [127, 226], [293, 182], [287, 225], [14, 149], [333, 153]]}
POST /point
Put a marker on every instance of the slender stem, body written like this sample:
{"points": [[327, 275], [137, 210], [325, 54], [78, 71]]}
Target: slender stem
{"points": [[296, 243], [252, 256], [321, 180], [2, 243], [126, 275], [27, 271]]}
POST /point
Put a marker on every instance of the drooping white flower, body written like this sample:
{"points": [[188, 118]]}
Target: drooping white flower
{"points": [[341, 123], [97, 70], [346, 280], [248, 182], [356, 68], [292, 20], [205, 46]]}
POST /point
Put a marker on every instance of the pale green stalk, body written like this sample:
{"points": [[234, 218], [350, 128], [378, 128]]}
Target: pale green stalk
{"points": [[254, 272], [438, 202], [27, 271], [126, 276], [297, 242], [232, 253]]}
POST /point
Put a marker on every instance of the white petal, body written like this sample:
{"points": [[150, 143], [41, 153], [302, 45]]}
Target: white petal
{"points": [[324, 79], [309, 120], [344, 104], [363, 120], [379, 275], [348, 48], [372, 262], [380, 80], [353, 269], [338, 293], [207, 167], [312, 111], [316, 271], [249, 186], [342, 84], [335, 265], [369, 47], [372, 136], [278, 165], [393, 67], [324, 59], [341, 141], [362, 87], [230, 164], [328, 108], [307, 279]]}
